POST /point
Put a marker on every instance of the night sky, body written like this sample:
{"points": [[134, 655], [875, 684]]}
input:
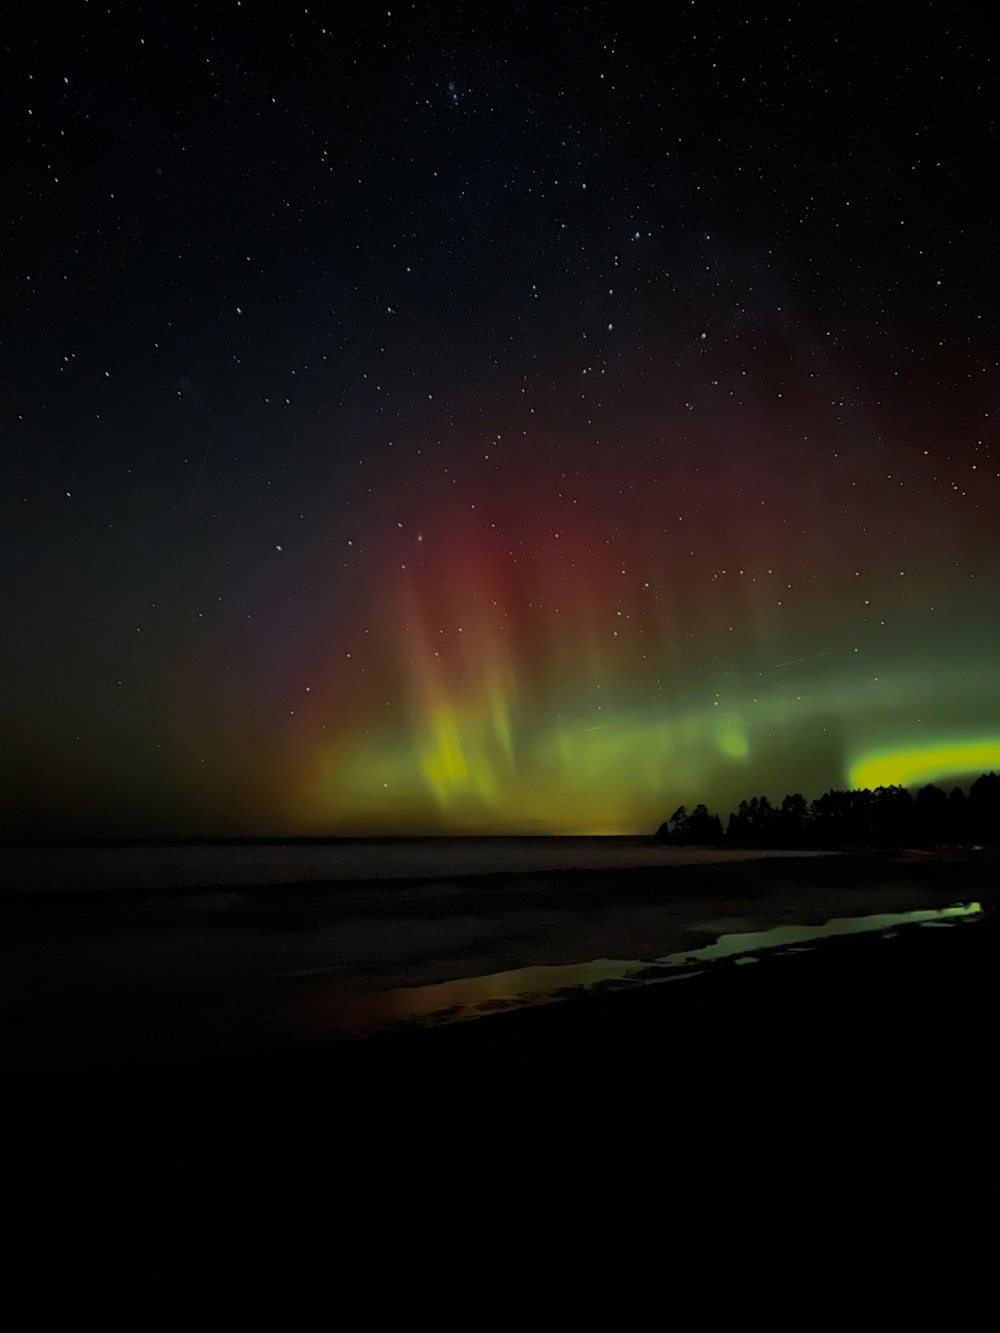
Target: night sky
{"points": [[492, 418]]}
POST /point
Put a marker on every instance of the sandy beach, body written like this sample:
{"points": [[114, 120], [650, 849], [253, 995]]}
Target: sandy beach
{"points": [[848, 1080]]}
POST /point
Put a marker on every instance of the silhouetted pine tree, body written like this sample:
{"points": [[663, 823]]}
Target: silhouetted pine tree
{"points": [[984, 807], [887, 817], [930, 813]]}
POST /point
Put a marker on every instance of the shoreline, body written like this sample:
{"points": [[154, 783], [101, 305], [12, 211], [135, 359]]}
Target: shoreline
{"points": [[902, 1024], [811, 1098], [90, 983]]}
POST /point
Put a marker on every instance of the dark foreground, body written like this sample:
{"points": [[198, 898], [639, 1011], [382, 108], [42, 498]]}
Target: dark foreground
{"points": [[825, 1104]]}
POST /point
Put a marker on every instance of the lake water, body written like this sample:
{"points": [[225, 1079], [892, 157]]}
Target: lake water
{"points": [[199, 865]]}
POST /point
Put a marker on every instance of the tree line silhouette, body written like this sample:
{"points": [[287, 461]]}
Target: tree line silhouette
{"points": [[887, 816]]}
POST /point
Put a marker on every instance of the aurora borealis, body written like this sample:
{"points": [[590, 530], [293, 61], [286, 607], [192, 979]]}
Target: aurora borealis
{"points": [[571, 697], [408, 431]]}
